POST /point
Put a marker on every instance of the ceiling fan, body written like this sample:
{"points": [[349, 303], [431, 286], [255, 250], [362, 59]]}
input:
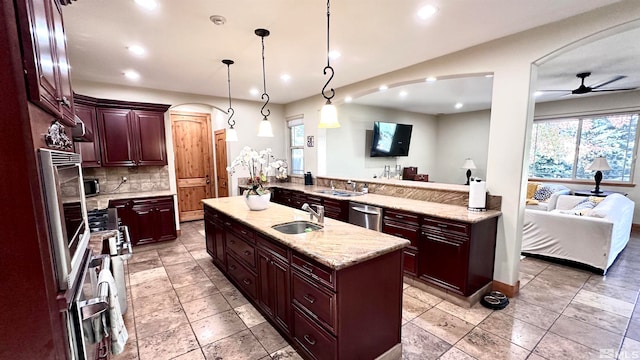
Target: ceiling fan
{"points": [[583, 89]]}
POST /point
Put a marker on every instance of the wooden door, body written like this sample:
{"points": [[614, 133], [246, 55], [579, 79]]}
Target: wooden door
{"points": [[114, 129], [221, 163], [151, 143], [193, 161]]}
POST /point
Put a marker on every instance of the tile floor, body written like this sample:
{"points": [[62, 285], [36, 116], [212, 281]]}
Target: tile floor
{"points": [[182, 307]]}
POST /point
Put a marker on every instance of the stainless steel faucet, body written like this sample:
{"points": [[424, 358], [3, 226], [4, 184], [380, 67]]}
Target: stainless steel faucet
{"points": [[319, 214], [353, 185], [331, 184]]}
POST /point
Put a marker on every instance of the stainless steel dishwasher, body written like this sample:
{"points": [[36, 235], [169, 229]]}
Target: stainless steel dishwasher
{"points": [[367, 216]]}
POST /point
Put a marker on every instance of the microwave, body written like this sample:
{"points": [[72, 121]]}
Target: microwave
{"points": [[91, 187], [63, 189]]}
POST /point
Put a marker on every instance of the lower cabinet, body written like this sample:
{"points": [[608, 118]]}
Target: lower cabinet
{"points": [[407, 226], [149, 219], [322, 312], [215, 239]]}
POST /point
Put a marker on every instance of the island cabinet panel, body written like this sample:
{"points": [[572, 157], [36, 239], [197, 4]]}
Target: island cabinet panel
{"points": [[457, 256], [274, 290], [406, 225], [242, 276], [215, 236]]}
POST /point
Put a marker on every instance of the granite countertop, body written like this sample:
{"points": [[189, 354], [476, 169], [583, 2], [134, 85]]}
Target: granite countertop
{"points": [[338, 245], [102, 201], [444, 211]]}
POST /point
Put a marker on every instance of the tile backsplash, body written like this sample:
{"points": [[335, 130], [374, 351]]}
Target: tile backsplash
{"points": [[141, 178]]}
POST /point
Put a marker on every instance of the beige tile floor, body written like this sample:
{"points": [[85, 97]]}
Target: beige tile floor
{"points": [[182, 307]]}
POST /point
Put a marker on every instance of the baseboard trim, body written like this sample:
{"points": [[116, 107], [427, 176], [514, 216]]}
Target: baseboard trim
{"points": [[509, 290]]}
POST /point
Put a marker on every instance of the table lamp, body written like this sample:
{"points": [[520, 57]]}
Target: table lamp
{"points": [[598, 164], [469, 165]]}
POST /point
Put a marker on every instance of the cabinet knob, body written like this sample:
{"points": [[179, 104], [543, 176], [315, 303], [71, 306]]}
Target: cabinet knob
{"points": [[247, 252]]}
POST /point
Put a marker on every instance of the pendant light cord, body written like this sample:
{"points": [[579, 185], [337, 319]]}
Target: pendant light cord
{"points": [[328, 67], [264, 84], [230, 111]]}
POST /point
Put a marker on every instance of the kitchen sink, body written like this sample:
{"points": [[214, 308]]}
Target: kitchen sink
{"points": [[344, 193], [297, 227]]}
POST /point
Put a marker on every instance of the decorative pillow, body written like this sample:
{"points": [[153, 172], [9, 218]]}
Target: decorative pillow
{"points": [[584, 204], [596, 199], [532, 202], [543, 193], [531, 189]]}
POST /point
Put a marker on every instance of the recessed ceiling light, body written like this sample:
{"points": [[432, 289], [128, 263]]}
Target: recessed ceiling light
{"points": [[538, 93], [427, 11], [131, 75], [383, 87], [489, 76], [431, 79], [254, 92], [218, 19], [348, 99], [147, 4], [285, 77], [459, 105], [137, 50], [403, 93], [334, 54]]}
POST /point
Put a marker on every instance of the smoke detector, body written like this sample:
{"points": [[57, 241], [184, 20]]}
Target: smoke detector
{"points": [[218, 19]]}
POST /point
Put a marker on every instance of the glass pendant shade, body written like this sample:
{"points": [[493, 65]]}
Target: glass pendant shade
{"points": [[265, 129], [329, 116], [232, 135]]}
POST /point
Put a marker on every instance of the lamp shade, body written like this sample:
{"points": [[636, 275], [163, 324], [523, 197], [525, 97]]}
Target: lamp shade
{"points": [[265, 129], [328, 116], [232, 135], [599, 163], [468, 164]]}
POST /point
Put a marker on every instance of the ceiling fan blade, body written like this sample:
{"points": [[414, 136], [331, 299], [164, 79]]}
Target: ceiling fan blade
{"points": [[619, 77], [620, 89]]}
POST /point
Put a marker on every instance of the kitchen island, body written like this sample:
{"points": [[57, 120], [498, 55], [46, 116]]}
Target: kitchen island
{"points": [[334, 293]]}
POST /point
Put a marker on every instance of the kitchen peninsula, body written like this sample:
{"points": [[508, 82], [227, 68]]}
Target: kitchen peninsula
{"points": [[334, 293]]}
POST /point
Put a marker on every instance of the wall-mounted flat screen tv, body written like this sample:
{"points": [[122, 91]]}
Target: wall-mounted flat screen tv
{"points": [[390, 139]]}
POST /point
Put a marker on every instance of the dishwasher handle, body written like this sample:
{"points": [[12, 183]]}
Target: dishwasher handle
{"points": [[365, 211]]}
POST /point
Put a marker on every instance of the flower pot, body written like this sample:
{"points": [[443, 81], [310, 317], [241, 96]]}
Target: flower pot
{"points": [[257, 202]]}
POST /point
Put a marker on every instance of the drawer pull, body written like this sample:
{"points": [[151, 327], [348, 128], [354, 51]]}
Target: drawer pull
{"points": [[309, 298], [244, 232], [307, 267], [246, 281], [247, 253], [227, 223], [232, 267], [399, 217], [309, 340], [442, 225]]}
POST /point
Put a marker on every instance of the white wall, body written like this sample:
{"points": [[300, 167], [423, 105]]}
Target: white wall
{"points": [[510, 59], [348, 149], [461, 136], [247, 116], [629, 101]]}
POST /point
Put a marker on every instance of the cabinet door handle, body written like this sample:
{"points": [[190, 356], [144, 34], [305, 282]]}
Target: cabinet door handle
{"points": [[247, 253], [244, 232], [442, 226], [309, 340], [307, 267], [431, 238], [246, 281], [227, 223], [399, 217], [309, 298], [232, 267]]}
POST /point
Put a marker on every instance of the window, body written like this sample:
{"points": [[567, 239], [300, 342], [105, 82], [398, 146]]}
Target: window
{"points": [[296, 144], [564, 148]]}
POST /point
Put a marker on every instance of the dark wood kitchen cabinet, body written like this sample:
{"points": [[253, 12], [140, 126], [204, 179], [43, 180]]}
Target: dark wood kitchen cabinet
{"points": [[457, 256], [45, 61], [131, 137], [274, 291], [149, 219], [89, 151], [215, 239], [406, 225]]}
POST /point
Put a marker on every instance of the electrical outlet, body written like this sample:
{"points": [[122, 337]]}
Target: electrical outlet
{"points": [[124, 179]]}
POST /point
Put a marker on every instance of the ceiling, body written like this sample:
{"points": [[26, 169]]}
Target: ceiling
{"points": [[184, 48]]}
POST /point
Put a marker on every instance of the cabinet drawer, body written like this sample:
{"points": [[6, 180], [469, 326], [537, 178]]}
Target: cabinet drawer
{"points": [[240, 229], [242, 249], [410, 262], [243, 276], [402, 230], [313, 269], [318, 303], [446, 225], [318, 343], [273, 248], [152, 201], [402, 216]]}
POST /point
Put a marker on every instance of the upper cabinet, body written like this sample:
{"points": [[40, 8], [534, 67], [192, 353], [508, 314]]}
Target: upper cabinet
{"points": [[125, 133], [45, 63]]}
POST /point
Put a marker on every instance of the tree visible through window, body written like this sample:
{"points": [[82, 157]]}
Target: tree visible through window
{"points": [[564, 148], [296, 130]]}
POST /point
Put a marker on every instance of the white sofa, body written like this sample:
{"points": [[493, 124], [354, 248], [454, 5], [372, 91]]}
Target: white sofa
{"points": [[595, 238]]}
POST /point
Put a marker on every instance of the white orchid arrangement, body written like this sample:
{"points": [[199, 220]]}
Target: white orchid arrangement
{"points": [[258, 163]]}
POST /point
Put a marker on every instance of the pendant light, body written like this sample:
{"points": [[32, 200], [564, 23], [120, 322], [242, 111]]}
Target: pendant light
{"points": [[328, 114], [265, 129], [232, 134]]}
